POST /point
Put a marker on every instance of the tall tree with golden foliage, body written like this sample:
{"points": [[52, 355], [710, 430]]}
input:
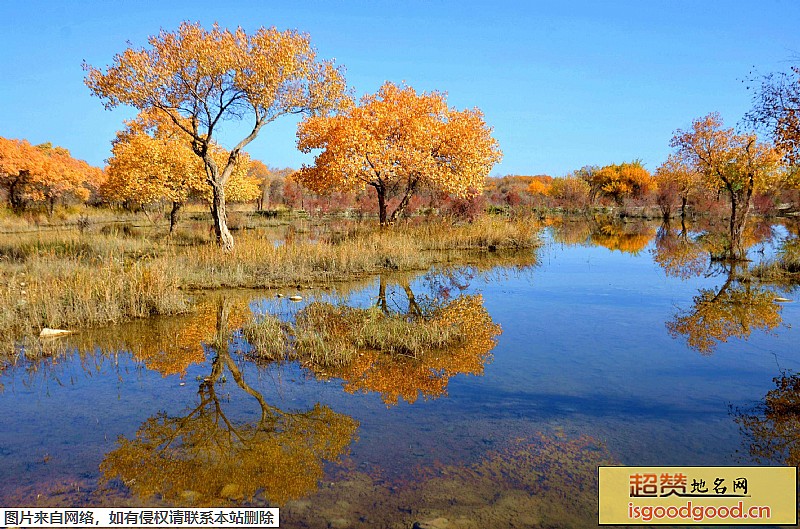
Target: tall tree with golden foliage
{"points": [[676, 177], [19, 163], [398, 141], [200, 78], [737, 164]]}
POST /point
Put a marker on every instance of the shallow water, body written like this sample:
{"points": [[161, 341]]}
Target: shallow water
{"points": [[585, 371]]}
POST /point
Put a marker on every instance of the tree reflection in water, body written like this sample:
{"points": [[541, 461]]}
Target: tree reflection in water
{"points": [[399, 350], [771, 429], [679, 254], [733, 310], [743, 303], [205, 457]]}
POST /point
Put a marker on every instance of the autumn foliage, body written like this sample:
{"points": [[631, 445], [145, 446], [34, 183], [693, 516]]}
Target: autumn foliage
{"points": [[43, 174], [199, 78], [152, 160], [398, 142], [736, 164]]}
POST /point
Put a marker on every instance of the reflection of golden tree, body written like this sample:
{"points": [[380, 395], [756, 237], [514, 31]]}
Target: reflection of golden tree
{"points": [[772, 429], [622, 237], [170, 345], [678, 254], [733, 311], [205, 457], [397, 354], [569, 232]]}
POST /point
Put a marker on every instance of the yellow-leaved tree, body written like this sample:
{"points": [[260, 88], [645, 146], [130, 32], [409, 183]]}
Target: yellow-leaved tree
{"points": [[628, 179], [676, 177], [43, 173], [398, 141], [200, 78], [152, 160], [737, 164]]}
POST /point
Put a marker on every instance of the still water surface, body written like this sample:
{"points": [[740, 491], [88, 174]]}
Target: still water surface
{"points": [[585, 371]]}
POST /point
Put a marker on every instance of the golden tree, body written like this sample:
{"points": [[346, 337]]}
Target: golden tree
{"points": [[200, 78], [152, 160], [398, 141], [20, 162], [675, 174], [620, 180], [62, 176], [735, 163], [43, 173]]}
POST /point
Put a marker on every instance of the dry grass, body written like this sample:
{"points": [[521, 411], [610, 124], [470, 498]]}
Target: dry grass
{"points": [[258, 262], [77, 279]]}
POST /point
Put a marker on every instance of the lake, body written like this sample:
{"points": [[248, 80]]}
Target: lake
{"points": [[617, 344]]}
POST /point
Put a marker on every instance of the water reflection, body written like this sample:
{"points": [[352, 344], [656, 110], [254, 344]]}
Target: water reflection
{"points": [[679, 254], [206, 457], [732, 310], [614, 234], [771, 429], [398, 348]]}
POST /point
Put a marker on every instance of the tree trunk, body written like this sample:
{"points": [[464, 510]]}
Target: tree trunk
{"points": [[173, 215], [739, 252], [413, 307], [51, 203], [683, 208], [15, 195], [740, 209], [401, 207], [220, 216], [382, 206]]}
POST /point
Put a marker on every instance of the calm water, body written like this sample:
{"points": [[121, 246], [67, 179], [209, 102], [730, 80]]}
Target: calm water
{"points": [[585, 371]]}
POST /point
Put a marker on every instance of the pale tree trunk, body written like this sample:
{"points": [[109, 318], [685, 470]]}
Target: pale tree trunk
{"points": [[219, 213], [220, 218]]}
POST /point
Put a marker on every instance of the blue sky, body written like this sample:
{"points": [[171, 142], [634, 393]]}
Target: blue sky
{"points": [[564, 84]]}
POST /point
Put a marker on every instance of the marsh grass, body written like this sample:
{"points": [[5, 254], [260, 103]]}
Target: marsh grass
{"points": [[267, 335], [329, 335], [68, 279], [784, 269], [341, 253]]}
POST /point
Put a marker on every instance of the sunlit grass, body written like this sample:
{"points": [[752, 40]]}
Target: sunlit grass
{"points": [[112, 273]]}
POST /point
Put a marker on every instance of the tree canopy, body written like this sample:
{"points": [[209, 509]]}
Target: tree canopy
{"points": [[152, 160], [200, 78], [398, 141], [777, 108], [43, 173]]}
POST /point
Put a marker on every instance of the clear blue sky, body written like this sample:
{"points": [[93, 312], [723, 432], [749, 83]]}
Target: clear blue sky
{"points": [[564, 84]]}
